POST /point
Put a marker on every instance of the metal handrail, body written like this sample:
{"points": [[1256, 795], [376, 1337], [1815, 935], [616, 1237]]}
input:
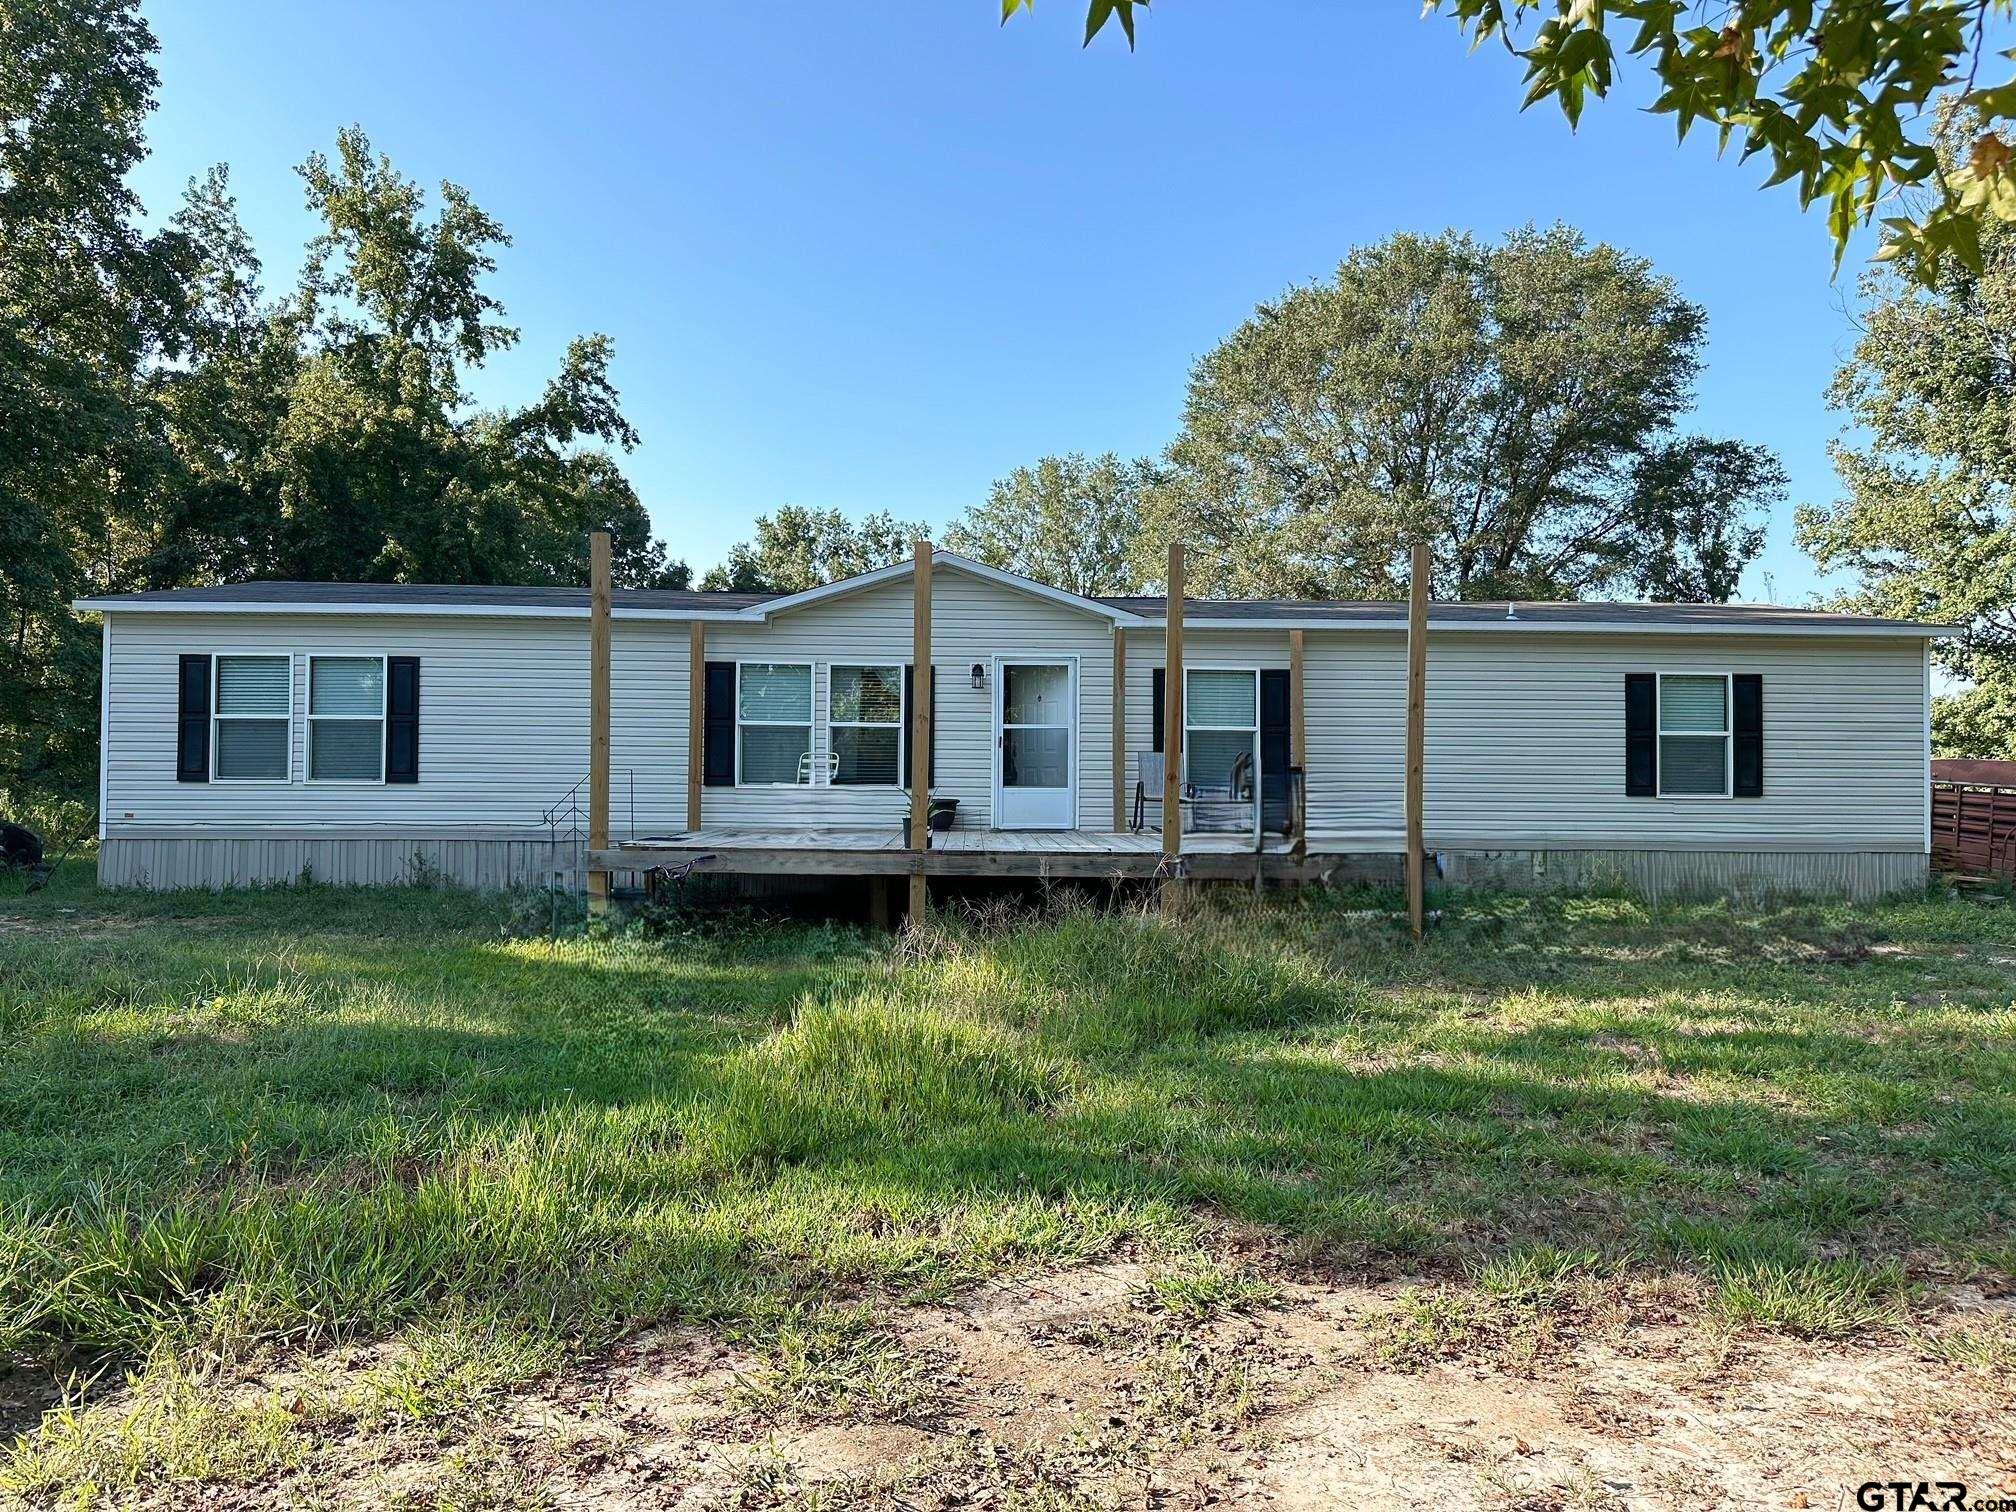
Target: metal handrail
{"points": [[568, 804], [568, 808]]}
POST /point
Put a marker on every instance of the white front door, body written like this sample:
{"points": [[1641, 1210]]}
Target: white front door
{"points": [[1035, 744]]}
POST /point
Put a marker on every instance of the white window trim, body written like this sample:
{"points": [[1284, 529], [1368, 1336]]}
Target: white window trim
{"points": [[1728, 737], [217, 659], [832, 724], [1190, 724], [383, 717], [810, 723]]}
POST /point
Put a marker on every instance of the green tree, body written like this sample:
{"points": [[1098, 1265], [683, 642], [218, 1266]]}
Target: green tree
{"points": [[1697, 513], [799, 548], [86, 299], [332, 436], [1927, 516], [1514, 404], [1834, 94], [1066, 521], [162, 423]]}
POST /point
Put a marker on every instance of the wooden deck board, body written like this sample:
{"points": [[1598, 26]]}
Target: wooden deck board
{"points": [[1086, 853], [1079, 842]]}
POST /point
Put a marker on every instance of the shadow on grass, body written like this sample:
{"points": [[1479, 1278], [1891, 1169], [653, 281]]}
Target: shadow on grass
{"points": [[256, 1133]]}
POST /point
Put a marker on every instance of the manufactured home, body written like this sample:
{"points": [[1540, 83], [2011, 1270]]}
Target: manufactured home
{"points": [[366, 732]]}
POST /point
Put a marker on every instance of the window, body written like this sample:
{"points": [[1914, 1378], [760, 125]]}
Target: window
{"points": [[252, 726], [864, 725], [1221, 723], [346, 719], [1036, 724], [773, 723], [1693, 736]]}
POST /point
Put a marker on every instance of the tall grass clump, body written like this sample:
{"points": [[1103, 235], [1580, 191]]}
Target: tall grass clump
{"points": [[879, 1065], [1093, 981]]}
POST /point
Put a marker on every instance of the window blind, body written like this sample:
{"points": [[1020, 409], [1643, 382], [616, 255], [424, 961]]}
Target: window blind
{"points": [[867, 695], [252, 685], [1221, 698], [1693, 704], [346, 685], [249, 749], [780, 693]]}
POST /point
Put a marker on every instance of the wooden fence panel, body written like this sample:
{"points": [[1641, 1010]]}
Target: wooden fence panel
{"points": [[1974, 828]]}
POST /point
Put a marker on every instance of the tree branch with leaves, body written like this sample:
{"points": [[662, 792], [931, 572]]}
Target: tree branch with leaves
{"points": [[1836, 95]]}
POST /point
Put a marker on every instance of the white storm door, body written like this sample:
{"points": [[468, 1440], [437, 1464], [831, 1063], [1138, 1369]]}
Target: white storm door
{"points": [[1035, 744]]}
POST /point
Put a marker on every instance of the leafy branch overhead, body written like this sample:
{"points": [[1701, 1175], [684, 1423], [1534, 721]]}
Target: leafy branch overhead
{"points": [[1839, 96], [1097, 14]]}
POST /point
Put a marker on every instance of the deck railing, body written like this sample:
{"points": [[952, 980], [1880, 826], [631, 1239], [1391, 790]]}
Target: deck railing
{"points": [[566, 818]]}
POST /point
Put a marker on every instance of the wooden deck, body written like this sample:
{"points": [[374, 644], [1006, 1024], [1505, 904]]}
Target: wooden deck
{"points": [[991, 853]]}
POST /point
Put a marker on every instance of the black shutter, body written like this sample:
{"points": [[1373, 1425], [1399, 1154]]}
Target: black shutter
{"points": [[718, 766], [1641, 735], [1749, 733], [402, 719], [909, 707], [1155, 682], [910, 720], [192, 720], [1275, 752]]}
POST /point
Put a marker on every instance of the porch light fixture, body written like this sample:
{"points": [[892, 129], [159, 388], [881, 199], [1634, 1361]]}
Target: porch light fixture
{"points": [[979, 676]]}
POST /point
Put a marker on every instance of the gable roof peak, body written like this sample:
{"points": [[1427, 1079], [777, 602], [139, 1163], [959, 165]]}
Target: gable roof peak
{"points": [[957, 562]]}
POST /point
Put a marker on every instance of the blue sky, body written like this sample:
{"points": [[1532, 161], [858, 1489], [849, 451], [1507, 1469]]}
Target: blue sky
{"points": [[874, 256]]}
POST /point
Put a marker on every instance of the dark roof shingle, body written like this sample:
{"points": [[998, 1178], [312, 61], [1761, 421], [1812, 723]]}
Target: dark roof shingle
{"points": [[1484, 611], [1340, 612], [446, 595]]}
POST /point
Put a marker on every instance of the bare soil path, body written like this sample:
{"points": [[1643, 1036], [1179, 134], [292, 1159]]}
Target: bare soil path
{"points": [[1107, 1386]]}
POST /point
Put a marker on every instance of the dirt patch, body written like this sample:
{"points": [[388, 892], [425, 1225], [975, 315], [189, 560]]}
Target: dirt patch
{"points": [[1120, 1386], [86, 927], [24, 1396], [76, 923], [1074, 1390]]}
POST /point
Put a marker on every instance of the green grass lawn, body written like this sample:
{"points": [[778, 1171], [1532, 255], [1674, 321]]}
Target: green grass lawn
{"points": [[261, 1124]]}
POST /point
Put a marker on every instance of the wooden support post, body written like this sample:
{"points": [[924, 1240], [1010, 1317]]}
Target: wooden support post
{"points": [[1172, 722], [878, 902], [1119, 729], [920, 723], [1298, 738], [1417, 726], [1172, 709], [598, 714], [696, 718]]}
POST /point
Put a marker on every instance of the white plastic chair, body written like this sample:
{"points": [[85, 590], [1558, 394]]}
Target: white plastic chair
{"points": [[806, 769]]}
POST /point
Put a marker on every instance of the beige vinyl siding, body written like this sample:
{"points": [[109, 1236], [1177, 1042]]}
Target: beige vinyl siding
{"points": [[1526, 736], [503, 721], [504, 712], [1525, 730], [971, 621], [1356, 689]]}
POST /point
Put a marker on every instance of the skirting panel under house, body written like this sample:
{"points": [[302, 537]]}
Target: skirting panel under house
{"points": [[489, 862], [497, 862], [1753, 876]]}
